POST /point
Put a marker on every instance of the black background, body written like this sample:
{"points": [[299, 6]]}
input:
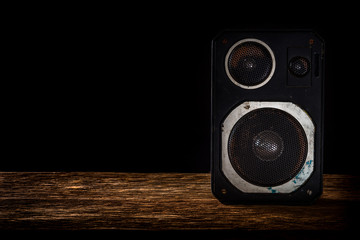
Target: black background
{"points": [[127, 88]]}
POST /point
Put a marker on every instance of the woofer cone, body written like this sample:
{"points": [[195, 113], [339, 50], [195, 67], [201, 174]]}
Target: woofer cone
{"points": [[268, 145]]}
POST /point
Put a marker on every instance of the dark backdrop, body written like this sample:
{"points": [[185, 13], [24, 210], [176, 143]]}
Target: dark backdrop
{"points": [[127, 88]]}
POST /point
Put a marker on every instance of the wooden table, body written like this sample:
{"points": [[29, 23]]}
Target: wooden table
{"points": [[160, 201]]}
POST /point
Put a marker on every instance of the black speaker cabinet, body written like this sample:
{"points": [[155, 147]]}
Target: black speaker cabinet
{"points": [[267, 116]]}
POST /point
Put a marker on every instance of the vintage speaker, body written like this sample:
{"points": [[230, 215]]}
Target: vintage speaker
{"points": [[267, 116]]}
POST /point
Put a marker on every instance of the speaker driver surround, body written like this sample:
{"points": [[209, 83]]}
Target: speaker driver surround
{"points": [[250, 63]]}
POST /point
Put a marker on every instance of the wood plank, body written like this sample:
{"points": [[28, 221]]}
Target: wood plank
{"points": [[159, 201]]}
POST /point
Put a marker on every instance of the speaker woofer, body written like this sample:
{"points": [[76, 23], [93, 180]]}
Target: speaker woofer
{"points": [[250, 63], [267, 145]]}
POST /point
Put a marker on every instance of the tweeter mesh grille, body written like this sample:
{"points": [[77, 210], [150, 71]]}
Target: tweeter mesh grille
{"points": [[267, 147], [299, 66], [250, 63]]}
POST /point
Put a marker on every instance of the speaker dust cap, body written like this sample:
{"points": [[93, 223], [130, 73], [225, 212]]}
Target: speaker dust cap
{"points": [[250, 63], [267, 147]]}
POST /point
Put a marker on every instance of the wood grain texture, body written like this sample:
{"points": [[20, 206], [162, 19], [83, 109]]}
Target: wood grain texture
{"points": [[159, 201]]}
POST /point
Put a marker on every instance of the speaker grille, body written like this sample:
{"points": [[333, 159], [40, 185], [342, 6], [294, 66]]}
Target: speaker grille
{"points": [[250, 63], [267, 147], [299, 66]]}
